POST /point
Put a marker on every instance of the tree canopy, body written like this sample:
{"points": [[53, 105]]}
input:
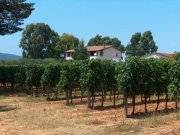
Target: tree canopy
{"points": [[141, 44], [80, 53], [100, 40], [69, 41], [12, 15], [177, 54], [40, 41]]}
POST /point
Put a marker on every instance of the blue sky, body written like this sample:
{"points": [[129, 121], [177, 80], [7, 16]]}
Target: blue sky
{"points": [[115, 18]]}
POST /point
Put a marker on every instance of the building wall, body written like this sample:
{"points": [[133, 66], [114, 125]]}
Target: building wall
{"points": [[93, 57], [153, 56], [111, 54], [68, 57], [156, 56]]}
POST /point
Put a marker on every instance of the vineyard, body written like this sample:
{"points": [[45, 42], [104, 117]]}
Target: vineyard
{"points": [[96, 80]]}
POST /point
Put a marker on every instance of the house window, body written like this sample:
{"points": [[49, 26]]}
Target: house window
{"points": [[101, 53], [93, 53], [116, 54], [68, 54]]}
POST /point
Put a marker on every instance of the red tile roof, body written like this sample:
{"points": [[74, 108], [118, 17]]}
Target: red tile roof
{"points": [[93, 48], [70, 51], [166, 55], [97, 48]]}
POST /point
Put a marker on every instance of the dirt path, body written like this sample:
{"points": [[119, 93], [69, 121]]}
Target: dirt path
{"points": [[29, 116]]}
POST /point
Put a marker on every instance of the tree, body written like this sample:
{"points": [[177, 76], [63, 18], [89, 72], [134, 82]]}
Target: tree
{"points": [[148, 43], [80, 53], [99, 40], [40, 41], [12, 15], [177, 54], [69, 41], [134, 48], [141, 44], [116, 42]]}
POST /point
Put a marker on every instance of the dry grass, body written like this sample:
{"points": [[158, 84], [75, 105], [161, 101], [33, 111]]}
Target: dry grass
{"points": [[32, 116]]}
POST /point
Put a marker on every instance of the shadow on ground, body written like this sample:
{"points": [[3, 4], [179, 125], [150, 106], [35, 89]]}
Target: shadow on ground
{"points": [[142, 115], [7, 108]]}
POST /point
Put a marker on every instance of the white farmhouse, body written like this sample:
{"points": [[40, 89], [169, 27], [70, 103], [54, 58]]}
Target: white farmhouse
{"points": [[99, 52], [159, 55]]}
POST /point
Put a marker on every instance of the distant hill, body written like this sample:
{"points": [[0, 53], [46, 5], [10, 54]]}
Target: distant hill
{"points": [[6, 56]]}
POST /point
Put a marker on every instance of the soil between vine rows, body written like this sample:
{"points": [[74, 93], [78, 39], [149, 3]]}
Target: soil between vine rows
{"points": [[32, 116]]}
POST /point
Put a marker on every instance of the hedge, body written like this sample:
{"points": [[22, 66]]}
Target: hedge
{"points": [[134, 77]]}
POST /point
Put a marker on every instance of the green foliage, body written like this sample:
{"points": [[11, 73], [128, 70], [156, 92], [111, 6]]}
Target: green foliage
{"points": [[148, 43], [31, 61], [146, 77], [174, 87], [134, 48], [80, 53], [129, 76], [51, 75], [69, 41], [99, 40], [2, 75], [8, 74], [97, 76], [177, 54], [33, 75], [110, 76], [136, 76], [39, 41], [69, 76], [13, 13], [11, 74], [50, 61], [85, 76], [141, 44], [158, 75], [21, 75]]}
